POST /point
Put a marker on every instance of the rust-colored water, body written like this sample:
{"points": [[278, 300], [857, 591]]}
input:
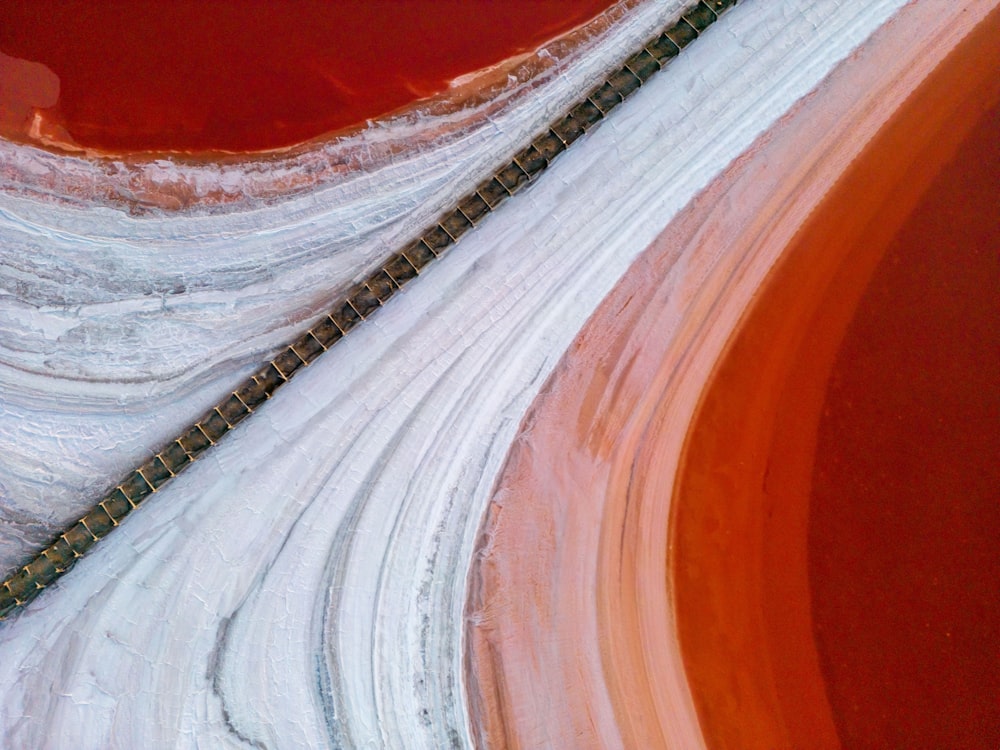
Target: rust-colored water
{"points": [[835, 556], [244, 76]]}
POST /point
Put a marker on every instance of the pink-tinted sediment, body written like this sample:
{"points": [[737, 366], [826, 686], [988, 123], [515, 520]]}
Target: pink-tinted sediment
{"points": [[572, 634]]}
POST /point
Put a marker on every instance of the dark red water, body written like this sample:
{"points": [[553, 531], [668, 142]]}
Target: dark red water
{"points": [[197, 75], [904, 521]]}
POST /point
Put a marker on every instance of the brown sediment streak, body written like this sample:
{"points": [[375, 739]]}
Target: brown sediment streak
{"points": [[574, 636], [526, 166]]}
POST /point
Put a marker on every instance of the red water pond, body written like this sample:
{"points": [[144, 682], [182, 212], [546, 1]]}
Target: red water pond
{"points": [[904, 521], [841, 487], [244, 76]]}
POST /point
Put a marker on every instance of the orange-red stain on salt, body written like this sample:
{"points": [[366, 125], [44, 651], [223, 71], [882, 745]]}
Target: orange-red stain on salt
{"points": [[245, 76], [575, 636]]}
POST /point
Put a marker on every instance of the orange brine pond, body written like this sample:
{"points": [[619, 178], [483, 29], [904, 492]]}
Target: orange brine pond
{"points": [[245, 76], [835, 552]]}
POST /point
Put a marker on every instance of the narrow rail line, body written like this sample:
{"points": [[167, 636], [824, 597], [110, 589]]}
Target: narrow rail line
{"points": [[26, 583]]}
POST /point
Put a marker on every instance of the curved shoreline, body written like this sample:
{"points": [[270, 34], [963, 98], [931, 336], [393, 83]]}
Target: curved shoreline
{"points": [[580, 514]]}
